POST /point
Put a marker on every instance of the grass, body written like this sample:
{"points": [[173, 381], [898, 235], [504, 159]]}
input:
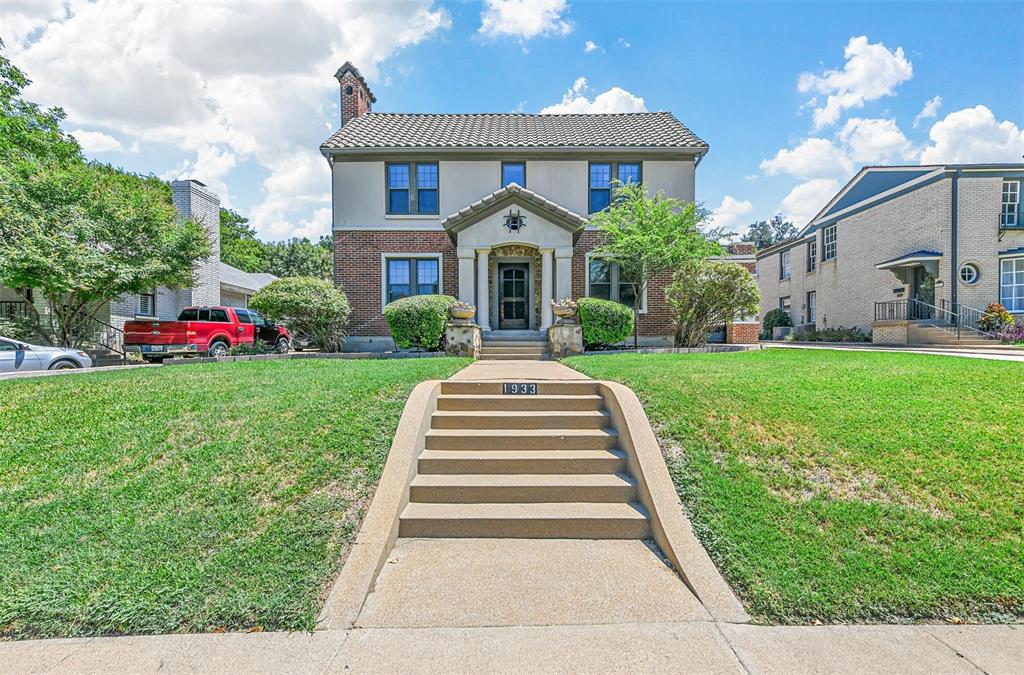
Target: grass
{"points": [[846, 486], [198, 498]]}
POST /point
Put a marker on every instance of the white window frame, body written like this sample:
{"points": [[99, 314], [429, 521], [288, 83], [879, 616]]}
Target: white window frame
{"points": [[812, 307], [1010, 209], [614, 274], [977, 273], [783, 302], [826, 244], [141, 306], [785, 266], [812, 254], [1016, 267], [384, 257]]}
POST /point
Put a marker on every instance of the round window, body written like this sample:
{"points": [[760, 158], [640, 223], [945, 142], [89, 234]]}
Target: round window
{"points": [[969, 273]]}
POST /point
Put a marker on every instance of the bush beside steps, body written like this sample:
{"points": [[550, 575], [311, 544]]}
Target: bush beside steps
{"points": [[419, 320]]}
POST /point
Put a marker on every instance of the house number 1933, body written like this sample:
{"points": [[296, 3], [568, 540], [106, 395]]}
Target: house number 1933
{"points": [[519, 388]]}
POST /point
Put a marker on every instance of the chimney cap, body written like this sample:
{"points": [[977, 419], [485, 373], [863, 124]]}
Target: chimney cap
{"points": [[347, 67]]}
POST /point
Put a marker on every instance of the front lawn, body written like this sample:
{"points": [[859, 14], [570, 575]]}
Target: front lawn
{"points": [[846, 486], [189, 498]]}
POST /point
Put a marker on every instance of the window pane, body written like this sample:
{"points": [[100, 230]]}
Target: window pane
{"points": [[398, 271], [398, 291], [219, 315], [426, 201], [243, 316], [629, 173], [398, 201], [599, 200], [426, 176], [600, 175], [204, 315], [188, 315], [426, 277], [600, 271], [398, 175], [603, 291], [626, 295], [513, 172]]}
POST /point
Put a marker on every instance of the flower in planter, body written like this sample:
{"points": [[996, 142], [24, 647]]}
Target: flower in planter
{"points": [[462, 310], [564, 307]]}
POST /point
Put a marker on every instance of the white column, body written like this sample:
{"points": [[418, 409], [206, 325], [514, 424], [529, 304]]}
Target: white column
{"points": [[546, 287], [563, 270], [483, 317], [467, 275]]}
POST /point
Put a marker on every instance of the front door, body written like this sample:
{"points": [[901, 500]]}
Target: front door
{"points": [[513, 291], [924, 292]]}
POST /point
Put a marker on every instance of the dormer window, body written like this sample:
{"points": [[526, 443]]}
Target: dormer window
{"points": [[513, 172]]}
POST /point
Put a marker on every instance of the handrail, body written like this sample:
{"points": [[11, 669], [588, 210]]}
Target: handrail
{"points": [[105, 335]]}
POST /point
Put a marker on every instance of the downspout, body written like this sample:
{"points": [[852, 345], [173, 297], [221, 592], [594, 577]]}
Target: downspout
{"points": [[953, 241]]}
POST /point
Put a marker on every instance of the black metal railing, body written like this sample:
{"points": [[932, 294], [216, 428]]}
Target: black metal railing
{"points": [[12, 309], [891, 310], [951, 317], [102, 334]]}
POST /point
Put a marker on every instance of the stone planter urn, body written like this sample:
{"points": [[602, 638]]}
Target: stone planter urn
{"points": [[565, 310], [462, 312]]}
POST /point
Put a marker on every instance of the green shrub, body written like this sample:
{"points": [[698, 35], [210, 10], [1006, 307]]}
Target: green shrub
{"points": [[774, 319], [604, 322], [419, 320], [306, 306], [838, 334], [245, 349]]}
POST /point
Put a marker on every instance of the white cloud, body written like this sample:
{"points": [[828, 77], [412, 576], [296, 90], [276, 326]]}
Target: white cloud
{"points": [[813, 158], [301, 178], [729, 212], [871, 72], [590, 46], [875, 141], [524, 19], [930, 109], [615, 100], [805, 200], [232, 84], [97, 141], [623, 42], [973, 135]]}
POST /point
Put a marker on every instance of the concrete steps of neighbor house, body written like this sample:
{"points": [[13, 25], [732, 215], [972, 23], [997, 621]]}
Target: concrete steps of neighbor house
{"points": [[569, 520], [523, 466]]}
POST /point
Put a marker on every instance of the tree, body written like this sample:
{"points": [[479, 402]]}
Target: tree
{"points": [[767, 233], [649, 236], [706, 294], [239, 246], [80, 234], [299, 258], [309, 307]]}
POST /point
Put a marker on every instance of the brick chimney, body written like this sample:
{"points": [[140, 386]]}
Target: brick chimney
{"points": [[194, 200], [356, 97]]}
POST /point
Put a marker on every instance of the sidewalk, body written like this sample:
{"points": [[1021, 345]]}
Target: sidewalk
{"points": [[1008, 354], [610, 648]]}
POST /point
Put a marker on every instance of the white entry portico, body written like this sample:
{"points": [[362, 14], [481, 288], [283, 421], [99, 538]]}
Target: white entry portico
{"points": [[503, 269]]}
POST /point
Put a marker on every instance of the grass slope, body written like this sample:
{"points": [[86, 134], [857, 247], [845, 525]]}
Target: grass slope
{"points": [[846, 486], [189, 498]]}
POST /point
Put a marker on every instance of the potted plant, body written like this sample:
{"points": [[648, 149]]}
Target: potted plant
{"points": [[462, 311], [564, 309]]}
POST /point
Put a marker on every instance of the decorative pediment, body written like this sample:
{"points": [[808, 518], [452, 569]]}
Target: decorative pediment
{"points": [[517, 199]]}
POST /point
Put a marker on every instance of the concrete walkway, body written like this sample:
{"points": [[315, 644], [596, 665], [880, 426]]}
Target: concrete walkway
{"points": [[488, 371]]}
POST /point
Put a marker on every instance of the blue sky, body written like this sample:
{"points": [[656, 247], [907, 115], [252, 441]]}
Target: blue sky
{"points": [[792, 97]]}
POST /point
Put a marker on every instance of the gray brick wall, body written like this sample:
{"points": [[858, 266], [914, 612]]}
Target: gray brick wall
{"points": [[194, 200]]}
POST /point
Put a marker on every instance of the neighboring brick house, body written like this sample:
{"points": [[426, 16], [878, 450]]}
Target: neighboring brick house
{"points": [[432, 203], [216, 283], [905, 247]]}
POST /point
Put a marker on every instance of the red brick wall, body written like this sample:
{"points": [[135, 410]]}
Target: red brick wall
{"points": [[357, 270], [741, 333], [355, 104]]}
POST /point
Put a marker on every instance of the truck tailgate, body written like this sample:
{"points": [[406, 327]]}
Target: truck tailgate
{"points": [[156, 332]]}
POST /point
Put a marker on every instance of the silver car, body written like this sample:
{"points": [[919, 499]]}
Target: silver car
{"points": [[20, 357]]}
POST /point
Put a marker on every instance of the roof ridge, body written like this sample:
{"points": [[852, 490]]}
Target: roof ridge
{"points": [[512, 114]]}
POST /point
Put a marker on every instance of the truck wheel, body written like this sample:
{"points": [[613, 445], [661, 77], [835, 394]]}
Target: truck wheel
{"points": [[218, 348], [281, 347]]}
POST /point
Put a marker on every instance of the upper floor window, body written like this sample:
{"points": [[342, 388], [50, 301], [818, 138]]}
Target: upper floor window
{"points": [[828, 243], [784, 268], [411, 276], [812, 254], [513, 172], [1010, 214], [412, 188], [606, 281], [601, 175]]}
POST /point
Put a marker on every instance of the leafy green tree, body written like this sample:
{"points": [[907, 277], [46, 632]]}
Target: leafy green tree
{"points": [[706, 294], [768, 233], [648, 236], [239, 246], [79, 234], [309, 307], [299, 258]]}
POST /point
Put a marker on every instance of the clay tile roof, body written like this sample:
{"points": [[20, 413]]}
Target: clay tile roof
{"points": [[514, 130]]}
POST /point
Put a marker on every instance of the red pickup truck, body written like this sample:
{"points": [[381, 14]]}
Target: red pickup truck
{"points": [[205, 331]]}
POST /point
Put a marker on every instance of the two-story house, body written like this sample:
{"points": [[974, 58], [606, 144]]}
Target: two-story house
{"points": [[910, 252], [490, 208]]}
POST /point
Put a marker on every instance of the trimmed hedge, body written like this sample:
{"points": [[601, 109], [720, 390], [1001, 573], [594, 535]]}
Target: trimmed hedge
{"points": [[419, 320], [604, 322], [774, 319]]}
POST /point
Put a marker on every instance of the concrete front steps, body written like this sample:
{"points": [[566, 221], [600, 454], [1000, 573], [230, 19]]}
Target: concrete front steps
{"points": [[543, 466], [935, 336], [514, 346]]}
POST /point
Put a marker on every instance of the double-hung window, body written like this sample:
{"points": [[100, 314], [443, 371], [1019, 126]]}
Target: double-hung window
{"points": [[812, 254], [786, 306], [784, 268], [411, 276], [812, 308], [1009, 215], [828, 243], [601, 176], [147, 303], [412, 188], [1011, 284], [513, 172], [606, 281]]}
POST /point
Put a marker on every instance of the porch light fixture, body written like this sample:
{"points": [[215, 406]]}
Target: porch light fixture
{"points": [[515, 221]]}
